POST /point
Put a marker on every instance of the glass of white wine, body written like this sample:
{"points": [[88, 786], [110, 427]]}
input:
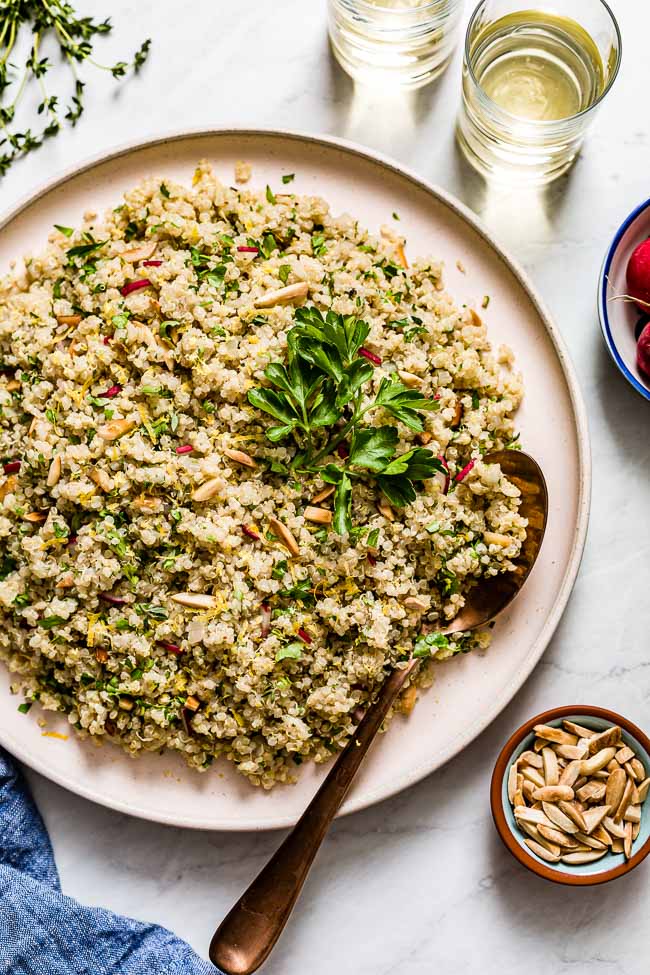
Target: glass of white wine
{"points": [[533, 77], [404, 43]]}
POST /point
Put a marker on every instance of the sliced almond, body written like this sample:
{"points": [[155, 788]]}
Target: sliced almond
{"points": [[409, 378], [284, 536], [208, 489], [8, 486], [569, 775], [592, 792], [141, 253], [101, 655], [551, 770], [327, 492], [115, 429], [321, 516], [571, 810], [415, 604], [512, 783], [594, 817], [527, 789], [598, 761], [239, 457], [530, 758], [35, 517], [534, 816], [194, 600], [606, 738], [538, 744], [638, 768], [102, 479], [577, 729], [192, 703], [401, 256], [636, 829], [571, 752], [407, 699], [575, 858], [624, 754], [54, 472], [617, 846], [616, 830], [629, 768], [558, 818], [532, 775], [632, 814], [496, 538], [283, 296], [627, 841], [70, 320], [424, 437], [600, 833], [65, 582], [590, 841], [553, 793], [642, 790], [385, 509], [554, 734], [626, 799], [542, 852], [13, 385], [615, 787], [557, 836]]}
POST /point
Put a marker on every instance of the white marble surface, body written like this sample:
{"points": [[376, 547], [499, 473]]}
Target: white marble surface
{"points": [[420, 882]]}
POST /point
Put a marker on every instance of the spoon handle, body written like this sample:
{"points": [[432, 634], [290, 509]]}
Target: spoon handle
{"points": [[244, 939]]}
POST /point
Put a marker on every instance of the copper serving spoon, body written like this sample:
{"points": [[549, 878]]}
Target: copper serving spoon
{"points": [[246, 936]]}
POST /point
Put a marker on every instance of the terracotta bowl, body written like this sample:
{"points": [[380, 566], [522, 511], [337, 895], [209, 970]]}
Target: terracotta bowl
{"points": [[612, 865]]}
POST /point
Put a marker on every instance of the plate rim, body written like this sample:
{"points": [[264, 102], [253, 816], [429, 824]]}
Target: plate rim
{"points": [[578, 406], [603, 314]]}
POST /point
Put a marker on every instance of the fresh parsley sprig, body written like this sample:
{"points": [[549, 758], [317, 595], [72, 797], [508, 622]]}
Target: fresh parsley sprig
{"points": [[319, 396]]}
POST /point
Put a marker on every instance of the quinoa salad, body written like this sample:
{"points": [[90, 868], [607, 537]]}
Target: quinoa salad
{"points": [[241, 472]]}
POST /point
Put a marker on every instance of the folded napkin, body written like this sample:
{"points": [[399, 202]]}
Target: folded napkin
{"points": [[42, 932]]}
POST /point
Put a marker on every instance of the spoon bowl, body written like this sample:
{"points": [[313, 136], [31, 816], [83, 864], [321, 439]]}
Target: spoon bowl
{"points": [[247, 935]]}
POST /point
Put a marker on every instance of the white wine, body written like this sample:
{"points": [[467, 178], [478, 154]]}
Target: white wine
{"points": [[542, 68]]}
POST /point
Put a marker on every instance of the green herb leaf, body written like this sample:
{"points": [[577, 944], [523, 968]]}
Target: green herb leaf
{"points": [[68, 231], [373, 448], [291, 651], [49, 622], [342, 522], [270, 196], [288, 178]]}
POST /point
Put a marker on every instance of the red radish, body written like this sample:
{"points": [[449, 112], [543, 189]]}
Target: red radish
{"points": [[266, 619], [643, 351], [110, 598], [249, 250], [251, 534], [107, 340], [638, 275], [343, 451], [304, 635], [12, 467], [446, 478], [185, 449], [151, 263], [465, 471], [371, 559], [113, 391], [134, 286], [370, 356], [171, 647]]}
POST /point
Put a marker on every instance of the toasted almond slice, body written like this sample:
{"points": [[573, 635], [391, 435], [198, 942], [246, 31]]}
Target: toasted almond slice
{"points": [[65, 582], [532, 775], [580, 782], [401, 256], [617, 846], [512, 783], [115, 429], [208, 489], [553, 793], [597, 762], [541, 852], [534, 816], [239, 457], [321, 516], [102, 479], [558, 818], [283, 296], [642, 790], [496, 538], [551, 770], [571, 752], [638, 768], [284, 536], [626, 799], [527, 789], [54, 473], [36, 517], [538, 744], [327, 492], [557, 836], [385, 509], [577, 729], [424, 437], [142, 253], [578, 857], [615, 787], [594, 817], [590, 841], [632, 814], [592, 792], [194, 600], [531, 758], [531, 830], [617, 830], [569, 775], [8, 486], [624, 754], [612, 766], [409, 378], [192, 703], [571, 810], [629, 768], [69, 320], [13, 385], [636, 829], [634, 798], [627, 841], [415, 604], [554, 734], [519, 797], [605, 739], [600, 833]]}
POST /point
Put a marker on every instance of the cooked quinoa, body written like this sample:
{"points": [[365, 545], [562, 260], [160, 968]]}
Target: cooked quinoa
{"points": [[165, 581]]}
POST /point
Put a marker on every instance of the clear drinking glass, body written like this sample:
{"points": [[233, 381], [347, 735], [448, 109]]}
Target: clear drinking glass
{"points": [[404, 42], [533, 78]]}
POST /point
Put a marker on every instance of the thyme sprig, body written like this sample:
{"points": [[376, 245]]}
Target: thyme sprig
{"points": [[320, 396], [75, 37]]}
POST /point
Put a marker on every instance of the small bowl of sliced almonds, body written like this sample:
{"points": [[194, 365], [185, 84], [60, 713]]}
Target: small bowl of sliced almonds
{"points": [[569, 793]]}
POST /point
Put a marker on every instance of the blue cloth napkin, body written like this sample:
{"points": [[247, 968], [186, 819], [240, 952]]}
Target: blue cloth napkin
{"points": [[42, 932]]}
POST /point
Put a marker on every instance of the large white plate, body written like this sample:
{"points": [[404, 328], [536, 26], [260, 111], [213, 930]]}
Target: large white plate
{"points": [[468, 692]]}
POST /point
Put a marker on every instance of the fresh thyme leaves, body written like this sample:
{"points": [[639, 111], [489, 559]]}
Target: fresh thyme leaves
{"points": [[75, 37], [288, 178], [320, 396]]}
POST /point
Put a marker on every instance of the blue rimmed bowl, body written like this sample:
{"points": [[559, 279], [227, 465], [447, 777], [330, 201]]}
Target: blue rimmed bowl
{"points": [[612, 865], [621, 321]]}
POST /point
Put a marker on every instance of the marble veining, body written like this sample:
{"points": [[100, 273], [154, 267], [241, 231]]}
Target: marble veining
{"points": [[420, 883]]}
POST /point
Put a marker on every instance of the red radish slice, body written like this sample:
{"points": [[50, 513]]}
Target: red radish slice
{"points": [[638, 275], [266, 619], [135, 286], [250, 533], [12, 467], [151, 263], [113, 391], [343, 451], [370, 356], [465, 471], [642, 352], [249, 250], [110, 598], [185, 449], [171, 647], [304, 635]]}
